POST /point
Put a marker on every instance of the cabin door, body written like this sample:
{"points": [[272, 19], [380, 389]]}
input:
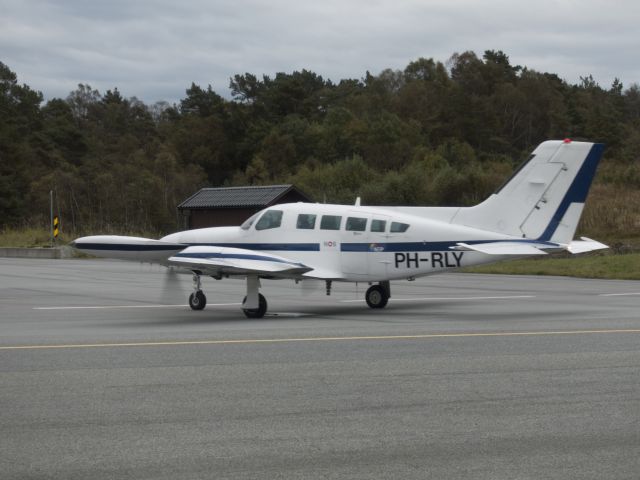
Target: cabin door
{"points": [[379, 258], [355, 245]]}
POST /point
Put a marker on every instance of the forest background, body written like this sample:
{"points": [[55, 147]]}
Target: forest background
{"points": [[432, 134]]}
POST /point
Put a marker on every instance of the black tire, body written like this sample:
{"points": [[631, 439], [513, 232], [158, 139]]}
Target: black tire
{"points": [[197, 300], [377, 296], [256, 312]]}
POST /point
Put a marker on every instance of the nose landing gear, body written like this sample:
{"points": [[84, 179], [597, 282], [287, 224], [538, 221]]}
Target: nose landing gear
{"points": [[197, 300]]}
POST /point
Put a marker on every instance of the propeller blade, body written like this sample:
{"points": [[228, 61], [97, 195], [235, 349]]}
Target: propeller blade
{"points": [[174, 287], [310, 287]]}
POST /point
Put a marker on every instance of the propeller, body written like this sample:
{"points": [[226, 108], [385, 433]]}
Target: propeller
{"points": [[310, 287], [174, 287]]}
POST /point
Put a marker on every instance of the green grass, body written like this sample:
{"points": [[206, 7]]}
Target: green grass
{"points": [[620, 267], [28, 237]]}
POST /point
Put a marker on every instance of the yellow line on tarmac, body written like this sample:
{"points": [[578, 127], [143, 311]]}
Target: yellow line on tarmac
{"points": [[316, 339]]}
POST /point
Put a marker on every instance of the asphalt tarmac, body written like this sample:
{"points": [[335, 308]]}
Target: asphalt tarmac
{"points": [[106, 373]]}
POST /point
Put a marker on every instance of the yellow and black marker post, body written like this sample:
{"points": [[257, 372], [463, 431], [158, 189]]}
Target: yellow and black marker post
{"points": [[56, 227]]}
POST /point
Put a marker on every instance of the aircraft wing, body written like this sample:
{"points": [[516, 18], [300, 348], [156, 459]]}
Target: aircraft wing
{"points": [[217, 261]]}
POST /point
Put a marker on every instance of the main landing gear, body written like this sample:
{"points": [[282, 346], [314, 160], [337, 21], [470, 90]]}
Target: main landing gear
{"points": [[254, 305], [255, 312], [378, 295]]}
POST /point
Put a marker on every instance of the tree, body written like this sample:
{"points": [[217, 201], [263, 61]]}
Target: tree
{"points": [[82, 100], [204, 103], [418, 135], [20, 122]]}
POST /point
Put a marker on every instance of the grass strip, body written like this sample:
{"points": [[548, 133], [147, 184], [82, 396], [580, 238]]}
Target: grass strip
{"points": [[613, 267]]}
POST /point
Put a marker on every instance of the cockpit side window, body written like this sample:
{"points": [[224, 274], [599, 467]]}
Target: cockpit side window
{"points": [[378, 225], [397, 227], [249, 221], [270, 219], [306, 221]]}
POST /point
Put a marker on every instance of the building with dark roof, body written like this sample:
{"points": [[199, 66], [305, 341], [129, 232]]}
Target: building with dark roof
{"points": [[218, 207]]}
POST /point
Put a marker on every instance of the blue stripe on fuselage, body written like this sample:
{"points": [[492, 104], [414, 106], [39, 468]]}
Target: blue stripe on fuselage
{"points": [[289, 247], [428, 246], [396, 246], [308, 247]]}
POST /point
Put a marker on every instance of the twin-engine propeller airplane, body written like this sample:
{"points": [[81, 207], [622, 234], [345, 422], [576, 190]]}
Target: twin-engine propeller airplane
{"points": [[534, 213]]}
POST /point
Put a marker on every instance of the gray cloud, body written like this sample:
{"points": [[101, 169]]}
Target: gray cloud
{"points": [[154, 49]]}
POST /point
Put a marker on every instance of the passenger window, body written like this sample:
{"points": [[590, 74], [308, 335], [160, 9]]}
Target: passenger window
{"points": [[397, 227], [270, 219], [330, 222], [355, 224], [306, 221], [378, 225]]}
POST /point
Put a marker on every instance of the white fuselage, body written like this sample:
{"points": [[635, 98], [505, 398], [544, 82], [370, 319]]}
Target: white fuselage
{"points": [[365, 244]]}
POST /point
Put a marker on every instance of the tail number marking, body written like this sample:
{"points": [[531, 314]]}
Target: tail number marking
{"points": [[436, 259]]}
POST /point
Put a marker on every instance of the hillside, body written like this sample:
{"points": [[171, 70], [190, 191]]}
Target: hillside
{"points": [[432, 134]]}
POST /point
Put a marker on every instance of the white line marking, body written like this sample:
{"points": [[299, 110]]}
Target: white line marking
{"points": [[618, 294], [423, 299], [107, 307]]}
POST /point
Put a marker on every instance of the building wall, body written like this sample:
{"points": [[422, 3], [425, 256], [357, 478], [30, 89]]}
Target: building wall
{"points": [[223, 217]]}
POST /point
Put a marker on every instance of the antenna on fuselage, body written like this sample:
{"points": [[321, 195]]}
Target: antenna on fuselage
{"points": [[357, 204]]}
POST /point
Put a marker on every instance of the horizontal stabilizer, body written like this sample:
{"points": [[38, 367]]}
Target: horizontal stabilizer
{"points": [[502, 248], [524, 248], [585, 245], [235, 261]]}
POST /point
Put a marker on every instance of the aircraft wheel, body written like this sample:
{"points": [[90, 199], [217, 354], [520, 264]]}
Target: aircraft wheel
{"points": [[197, 300], [256, 312], [376, 296]]}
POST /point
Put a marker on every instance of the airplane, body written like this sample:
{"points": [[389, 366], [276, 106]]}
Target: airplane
{"points": [[535, 212]]}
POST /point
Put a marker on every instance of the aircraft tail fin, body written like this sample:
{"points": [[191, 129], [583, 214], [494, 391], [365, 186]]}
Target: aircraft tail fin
{"points": [[544, 199]]}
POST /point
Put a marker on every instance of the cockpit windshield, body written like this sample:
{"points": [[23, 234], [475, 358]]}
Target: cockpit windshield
{"points": [[270, 219], [249, 221]]}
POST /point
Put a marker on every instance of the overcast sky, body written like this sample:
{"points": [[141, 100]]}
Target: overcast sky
{"points": [[154, 49]]}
